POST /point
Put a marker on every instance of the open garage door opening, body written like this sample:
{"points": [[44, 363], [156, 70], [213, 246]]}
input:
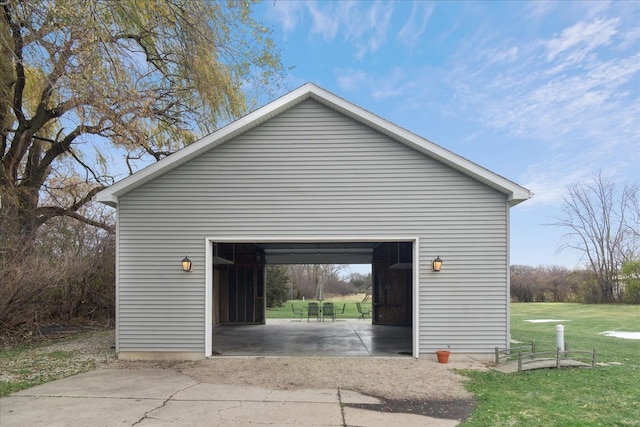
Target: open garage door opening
{"points": [[324, 314]]}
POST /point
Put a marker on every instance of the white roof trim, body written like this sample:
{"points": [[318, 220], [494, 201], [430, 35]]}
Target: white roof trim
{"points": [[516, 193]]}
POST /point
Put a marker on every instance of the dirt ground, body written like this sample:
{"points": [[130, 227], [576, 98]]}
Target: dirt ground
{"points": [[403, 384], [422, 387]]}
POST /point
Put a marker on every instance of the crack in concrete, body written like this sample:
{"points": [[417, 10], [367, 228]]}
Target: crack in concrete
{"points": [[37, 396], [344, 420], [220, 412], [146, 414], [361, 340]]}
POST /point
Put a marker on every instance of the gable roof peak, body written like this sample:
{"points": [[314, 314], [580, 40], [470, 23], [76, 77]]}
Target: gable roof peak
{"points": [[515, 193]]}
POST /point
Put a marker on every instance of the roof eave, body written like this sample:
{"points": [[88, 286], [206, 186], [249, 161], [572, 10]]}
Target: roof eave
{"points": [[109, 200], [519, 197]]}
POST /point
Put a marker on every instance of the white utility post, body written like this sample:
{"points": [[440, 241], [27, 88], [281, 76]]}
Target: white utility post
{"points": [[560, 337]]}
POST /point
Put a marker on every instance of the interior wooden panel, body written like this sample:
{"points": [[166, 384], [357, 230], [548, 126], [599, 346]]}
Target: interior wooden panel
{"points": [[241, 283], [392, 278]]}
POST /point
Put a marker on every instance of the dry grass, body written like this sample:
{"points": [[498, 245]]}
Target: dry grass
{"points": [[41, 361]]}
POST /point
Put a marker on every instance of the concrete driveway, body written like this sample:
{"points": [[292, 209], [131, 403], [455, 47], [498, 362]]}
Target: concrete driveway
{"points": [[164, 397]]}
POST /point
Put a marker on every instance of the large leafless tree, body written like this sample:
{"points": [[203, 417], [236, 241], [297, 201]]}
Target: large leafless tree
{"points": [[85, 84], [602, 222], [317, 280]]}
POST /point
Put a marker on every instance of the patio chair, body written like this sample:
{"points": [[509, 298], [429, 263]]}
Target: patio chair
{"points": [[363, 313], [313, 310], [298, 313], [327, 311]]}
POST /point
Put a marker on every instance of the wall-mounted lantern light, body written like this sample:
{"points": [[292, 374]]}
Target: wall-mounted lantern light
{"points": [[186, 264], [436, 264]]}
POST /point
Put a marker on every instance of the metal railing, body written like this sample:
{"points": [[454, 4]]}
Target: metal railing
{"points": [[533, 356], [507, 354]]}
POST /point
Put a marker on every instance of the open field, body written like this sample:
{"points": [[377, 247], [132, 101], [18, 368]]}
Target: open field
{"points": [[349, 303], [606, 396]]}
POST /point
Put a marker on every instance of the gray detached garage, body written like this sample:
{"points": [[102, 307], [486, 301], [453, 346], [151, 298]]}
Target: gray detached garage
{"points": [[311, 178]]}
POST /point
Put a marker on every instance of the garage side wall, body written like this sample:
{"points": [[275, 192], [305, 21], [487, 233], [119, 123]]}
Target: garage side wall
{"points": [[312, 172]]}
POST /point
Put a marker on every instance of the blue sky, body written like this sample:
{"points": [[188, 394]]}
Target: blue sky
{"points": [[546, 94]]}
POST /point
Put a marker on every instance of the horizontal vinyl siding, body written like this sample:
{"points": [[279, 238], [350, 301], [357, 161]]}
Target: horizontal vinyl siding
{"points": [[311, 172]]}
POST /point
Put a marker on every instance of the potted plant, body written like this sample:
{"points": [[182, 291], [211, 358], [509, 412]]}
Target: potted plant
{"points": [[443, 355]]}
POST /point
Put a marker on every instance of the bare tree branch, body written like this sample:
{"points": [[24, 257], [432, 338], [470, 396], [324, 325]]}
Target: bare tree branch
{"points": [[597, 217], [150, 77]]}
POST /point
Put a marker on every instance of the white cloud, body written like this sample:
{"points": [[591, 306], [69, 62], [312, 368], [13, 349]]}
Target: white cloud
{"points": [[389, 85], [630, 38], [504, 55], [586, 35], [552, 88], [549, 180], [539, 9], [350, 80], [364, 25], [324, 22], [377, 24], [412, 31], [287, 13], [388, 92], [575, 94]]}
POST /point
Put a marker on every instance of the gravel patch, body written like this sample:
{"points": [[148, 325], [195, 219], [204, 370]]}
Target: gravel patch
{"points": [[391, 378], [403, 384]]}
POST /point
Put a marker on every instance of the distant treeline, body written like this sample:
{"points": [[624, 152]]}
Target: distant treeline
{"points": [[559, 284]]}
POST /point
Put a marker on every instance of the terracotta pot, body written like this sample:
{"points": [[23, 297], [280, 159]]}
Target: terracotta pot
{"points": [[443, 355]]}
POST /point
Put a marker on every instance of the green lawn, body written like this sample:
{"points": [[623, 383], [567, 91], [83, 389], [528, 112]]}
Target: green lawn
{"points": [[350, 310], [604, 396]]}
